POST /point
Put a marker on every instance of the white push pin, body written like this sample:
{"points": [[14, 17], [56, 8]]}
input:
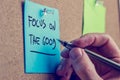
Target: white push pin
{"points": [[45, 11], [99, 2]]}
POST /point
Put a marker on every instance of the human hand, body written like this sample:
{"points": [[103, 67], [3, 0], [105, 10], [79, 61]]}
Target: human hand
{"points": [[76, 60]]}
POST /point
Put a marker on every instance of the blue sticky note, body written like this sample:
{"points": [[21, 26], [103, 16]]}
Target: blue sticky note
{"points": [[41, 29]]}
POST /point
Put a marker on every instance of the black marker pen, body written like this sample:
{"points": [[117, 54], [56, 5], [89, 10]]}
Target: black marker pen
{"points": [[94, 55]]}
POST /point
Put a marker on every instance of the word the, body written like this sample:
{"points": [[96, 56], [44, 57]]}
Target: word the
{"points": [[34, 40]]}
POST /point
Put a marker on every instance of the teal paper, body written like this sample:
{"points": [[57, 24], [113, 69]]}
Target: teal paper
{"points": [[41, 29]]}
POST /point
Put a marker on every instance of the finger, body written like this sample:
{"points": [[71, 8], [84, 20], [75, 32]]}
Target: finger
{"points": [[104, 43], [112, 75], [82, 65], [64, 67], [68, 74], [74, 76], [65, 53]]}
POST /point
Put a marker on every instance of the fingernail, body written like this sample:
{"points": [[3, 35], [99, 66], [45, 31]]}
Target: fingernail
{"points": [[59, 67], [65, 53], [75, 52]]}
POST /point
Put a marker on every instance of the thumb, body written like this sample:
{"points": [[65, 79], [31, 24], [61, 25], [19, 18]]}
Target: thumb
{"points": [[82, 65]]}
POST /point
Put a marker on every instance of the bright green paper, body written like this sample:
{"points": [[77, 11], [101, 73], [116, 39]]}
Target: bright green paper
{"points": [[41, 29], [94, 17]]}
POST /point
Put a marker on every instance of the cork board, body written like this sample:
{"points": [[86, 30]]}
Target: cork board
{"points": [[11, 33]]}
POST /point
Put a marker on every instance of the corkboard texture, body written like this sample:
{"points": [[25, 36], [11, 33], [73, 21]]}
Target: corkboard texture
{"points": [[11, 32]]}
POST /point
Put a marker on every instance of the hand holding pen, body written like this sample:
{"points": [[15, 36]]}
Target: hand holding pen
{"points": [[87, 68]]}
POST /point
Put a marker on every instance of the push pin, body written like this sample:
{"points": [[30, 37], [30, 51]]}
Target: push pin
{"points": [[99, 2], [46, 11], [43, 12]]}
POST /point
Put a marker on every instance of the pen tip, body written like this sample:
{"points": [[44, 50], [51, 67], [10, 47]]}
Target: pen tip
{"points": [[60, 41]]}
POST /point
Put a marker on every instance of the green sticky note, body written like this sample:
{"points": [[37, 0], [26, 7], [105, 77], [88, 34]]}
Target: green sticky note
{"points": [[41, 29], [94, 17]]}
